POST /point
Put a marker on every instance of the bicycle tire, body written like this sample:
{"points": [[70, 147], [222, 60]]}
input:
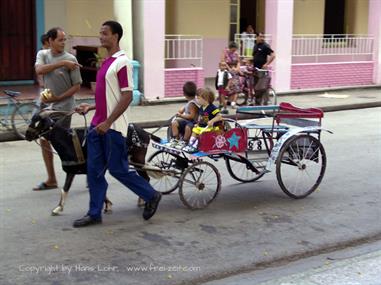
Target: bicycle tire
{"points": [[242, 98], [166, 161], [22, 116], [239, 169], [199, 185], [295, 165], [271, 96]]}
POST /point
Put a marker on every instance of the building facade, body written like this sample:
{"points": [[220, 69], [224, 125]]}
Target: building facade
{"points": [[318, 43]]}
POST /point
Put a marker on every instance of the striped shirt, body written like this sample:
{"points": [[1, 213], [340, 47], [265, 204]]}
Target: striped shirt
{"points": [[114, 77]]}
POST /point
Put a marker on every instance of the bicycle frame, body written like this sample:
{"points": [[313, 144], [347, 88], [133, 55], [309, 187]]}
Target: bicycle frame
{"points": [[5, 119]]}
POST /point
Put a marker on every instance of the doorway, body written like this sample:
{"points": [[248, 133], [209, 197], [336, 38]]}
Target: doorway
{"points": [[17, 39], [248, 15]]}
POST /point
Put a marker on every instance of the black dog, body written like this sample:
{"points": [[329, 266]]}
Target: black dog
{"points": [[69, 144]]}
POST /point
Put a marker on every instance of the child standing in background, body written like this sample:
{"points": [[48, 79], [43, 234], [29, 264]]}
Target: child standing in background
{"points": [[222, 81], [234, 85]]}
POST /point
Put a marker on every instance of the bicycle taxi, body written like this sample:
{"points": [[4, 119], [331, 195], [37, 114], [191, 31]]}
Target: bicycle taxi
{"points": [[290, 143]]}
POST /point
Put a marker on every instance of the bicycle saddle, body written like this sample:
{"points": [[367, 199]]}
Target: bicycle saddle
{"points": [[12, 93]]}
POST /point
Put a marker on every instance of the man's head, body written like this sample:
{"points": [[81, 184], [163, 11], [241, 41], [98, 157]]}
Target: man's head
{"points": [[57, 39], [260, 38], [110, 34], [189, 89]]}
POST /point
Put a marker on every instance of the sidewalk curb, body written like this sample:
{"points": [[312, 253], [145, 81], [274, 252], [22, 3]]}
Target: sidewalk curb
{"points": [[281, 260], [10, 136], [174, 100]]}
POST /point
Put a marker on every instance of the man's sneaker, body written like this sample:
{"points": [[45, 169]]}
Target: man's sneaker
{"points": [[234, 105], [180, 145], [151, 206], [224, 111], [86, 221], [190, 149]]}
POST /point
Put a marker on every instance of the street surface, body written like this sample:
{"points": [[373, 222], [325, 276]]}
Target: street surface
{"points": [[248, 227], [354, 265]]}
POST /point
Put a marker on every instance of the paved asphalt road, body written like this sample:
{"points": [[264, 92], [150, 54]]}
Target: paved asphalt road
{"points": [[248, 226]]}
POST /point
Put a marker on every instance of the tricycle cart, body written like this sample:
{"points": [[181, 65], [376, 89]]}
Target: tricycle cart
{"points": [[290, 143]]}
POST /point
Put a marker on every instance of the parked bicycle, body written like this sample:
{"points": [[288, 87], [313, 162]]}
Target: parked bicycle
{"points": [[259, 86], [17, 115]]}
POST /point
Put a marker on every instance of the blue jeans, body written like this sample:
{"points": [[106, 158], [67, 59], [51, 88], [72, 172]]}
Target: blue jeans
{"points": [[109, 151]]}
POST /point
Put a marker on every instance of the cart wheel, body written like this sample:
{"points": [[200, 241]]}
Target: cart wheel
{"points": [[241, 168], [166, 183], [300, 166], [199, 185]]}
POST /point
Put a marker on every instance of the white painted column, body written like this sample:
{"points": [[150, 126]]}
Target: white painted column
{"points": [[279, 23], [374, 29], [149, 42], [123, 14]]}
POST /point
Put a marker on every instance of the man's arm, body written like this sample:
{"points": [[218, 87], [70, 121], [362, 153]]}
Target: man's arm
{"points": [[125, 101], [70, 92], [42, 69], [193, 111], [270, 59]]}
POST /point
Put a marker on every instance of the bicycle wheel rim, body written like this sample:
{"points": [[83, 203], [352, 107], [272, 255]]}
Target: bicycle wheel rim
{"points": [[22, 117], [165, 184], [301, 166]]}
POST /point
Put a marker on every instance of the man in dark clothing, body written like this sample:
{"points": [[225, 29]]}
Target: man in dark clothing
{"points": [[263, 56]]}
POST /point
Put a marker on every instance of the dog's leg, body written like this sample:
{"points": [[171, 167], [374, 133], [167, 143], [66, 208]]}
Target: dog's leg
{"points": [[138, 155], [64, 192]]}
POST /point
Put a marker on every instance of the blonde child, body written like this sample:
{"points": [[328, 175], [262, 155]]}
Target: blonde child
{"points": [[208, 116]]}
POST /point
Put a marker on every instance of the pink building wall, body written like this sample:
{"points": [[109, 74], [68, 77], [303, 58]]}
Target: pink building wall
{"points": [[309, 76], [176, 77]]}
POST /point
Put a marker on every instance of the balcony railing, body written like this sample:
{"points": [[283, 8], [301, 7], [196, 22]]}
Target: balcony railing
{"points": [[183, 51], [246, 43], [321, 48]]}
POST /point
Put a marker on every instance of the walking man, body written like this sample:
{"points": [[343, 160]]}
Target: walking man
{"points": [[106, 143], [60, 71], [263, 56]]}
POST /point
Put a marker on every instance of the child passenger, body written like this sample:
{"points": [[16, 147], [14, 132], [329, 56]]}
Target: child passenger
{"points": [[186, 117], [208, 116]]}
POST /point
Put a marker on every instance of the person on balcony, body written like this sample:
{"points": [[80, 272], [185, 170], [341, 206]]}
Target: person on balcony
{"points": [[248, 41]]}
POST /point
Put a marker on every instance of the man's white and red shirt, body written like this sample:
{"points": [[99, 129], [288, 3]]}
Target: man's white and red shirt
{"points": [[114, 77]]}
